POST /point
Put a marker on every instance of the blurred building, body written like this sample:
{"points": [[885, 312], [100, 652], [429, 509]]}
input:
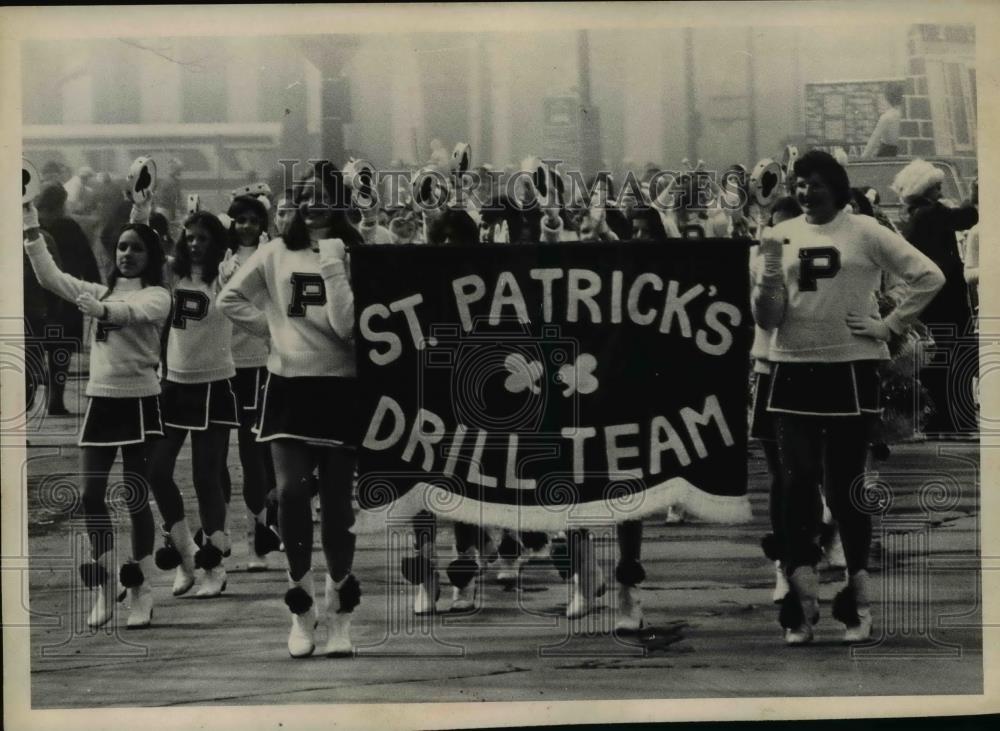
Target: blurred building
{"points": [[232, 108]]}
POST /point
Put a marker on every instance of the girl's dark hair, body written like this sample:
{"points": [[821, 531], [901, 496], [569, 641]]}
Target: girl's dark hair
{"points": [[159, 223], [502, 208], [608, 180], [454, 226], [335, 195], [653, 223], [787, 205], [152, 275], [894, 93], [817, 162], [218, 237], [861, 202], [241, 205]]}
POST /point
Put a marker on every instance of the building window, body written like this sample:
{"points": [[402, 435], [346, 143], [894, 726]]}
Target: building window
{"points": [[117, 97], [203, 83], [960, 101]]}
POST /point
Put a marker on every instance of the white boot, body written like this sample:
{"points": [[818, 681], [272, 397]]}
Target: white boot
{"points": [[630, 617], [214, 581], [340, 600], [804, 585], [180, 537], [780, 583], [858, 628], [508, 570], [255, 561], [464, 582], [140, 596], [428, 592], [587, 582], [299, 599], [105, 592]]}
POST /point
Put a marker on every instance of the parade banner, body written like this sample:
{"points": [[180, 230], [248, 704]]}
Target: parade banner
{"points": [[539, 386]]}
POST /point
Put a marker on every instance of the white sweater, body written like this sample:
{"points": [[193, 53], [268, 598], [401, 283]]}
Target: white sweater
{"points": [[125, 351], [831, 270], [307, 308]]}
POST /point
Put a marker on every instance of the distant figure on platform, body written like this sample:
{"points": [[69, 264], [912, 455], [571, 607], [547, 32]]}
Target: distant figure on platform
{"points": [[884, 141], [76, 259]]}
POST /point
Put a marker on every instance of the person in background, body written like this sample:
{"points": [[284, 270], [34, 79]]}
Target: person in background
{"points": [[77, 260], [54, 172], [931, 227], [169, 197], [159, 223], [972, 260], [80, 199], [884, 141]]}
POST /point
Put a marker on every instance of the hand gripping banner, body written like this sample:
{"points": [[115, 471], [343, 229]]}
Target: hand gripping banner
{"points": [[534, 387]]}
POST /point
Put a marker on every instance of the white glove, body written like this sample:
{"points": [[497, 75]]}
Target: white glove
{"points": [[29, 218], [141, 209], [228, 266], [90, 305], [771, 249], [332, 250]]}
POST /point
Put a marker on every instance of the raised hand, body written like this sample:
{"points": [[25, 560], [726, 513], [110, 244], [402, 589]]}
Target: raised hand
{"points": [[228, 266], [29, 221]]}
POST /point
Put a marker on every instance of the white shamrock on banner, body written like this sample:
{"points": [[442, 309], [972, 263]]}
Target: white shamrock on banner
{"points": [[524, 374], [579, 377]]}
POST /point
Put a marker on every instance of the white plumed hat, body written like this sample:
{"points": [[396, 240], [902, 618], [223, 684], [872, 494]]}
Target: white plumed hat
{"points": [[915, 179]]}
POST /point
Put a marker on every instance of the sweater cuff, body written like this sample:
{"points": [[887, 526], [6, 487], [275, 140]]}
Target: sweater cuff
{"points": [[895, 323], [331, 267]]}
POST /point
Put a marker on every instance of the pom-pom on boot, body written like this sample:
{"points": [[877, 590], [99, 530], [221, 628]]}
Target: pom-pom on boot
{"points": [[261, 540], [135, 576], [178, 553], [341, 599], [800, 607], [852, 606], [509, 567], [209, 558], [299, 600]]}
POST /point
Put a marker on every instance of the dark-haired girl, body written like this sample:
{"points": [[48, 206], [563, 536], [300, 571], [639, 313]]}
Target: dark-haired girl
{"points": [[816, 294], [198, 398], [296, 289], [250, 351], [124, 407]]}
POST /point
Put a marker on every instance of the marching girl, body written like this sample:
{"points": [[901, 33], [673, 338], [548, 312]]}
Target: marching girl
{"points": [[761, 426], [296, 289], [249, 221], [815, 293], [198, 398], [124, 408]]}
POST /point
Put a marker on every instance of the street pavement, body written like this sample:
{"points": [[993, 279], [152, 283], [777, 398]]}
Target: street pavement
{"points": [[713, 628]]}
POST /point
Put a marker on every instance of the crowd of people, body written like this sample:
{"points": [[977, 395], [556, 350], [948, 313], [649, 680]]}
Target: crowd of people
{"points": [[246, 322]]}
